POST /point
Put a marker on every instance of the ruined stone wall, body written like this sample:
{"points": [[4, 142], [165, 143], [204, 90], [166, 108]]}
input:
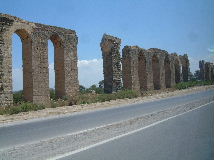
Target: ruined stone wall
{"points": [[35, 38], [110, 47], [144, 69]]}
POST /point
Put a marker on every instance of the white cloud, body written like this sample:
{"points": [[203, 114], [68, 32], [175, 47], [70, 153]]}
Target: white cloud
{"points": [[89, 71], [210, 50]]}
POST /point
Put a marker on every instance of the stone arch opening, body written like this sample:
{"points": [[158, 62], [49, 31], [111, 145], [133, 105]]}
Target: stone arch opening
{"points": [[58, 66], [156, 72], [142, 71], [177, 71], [167, 72], [27, 63]]}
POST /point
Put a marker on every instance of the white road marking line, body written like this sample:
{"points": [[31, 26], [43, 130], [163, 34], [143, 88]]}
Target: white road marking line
{"points": [[123, 135], [105, 125]]}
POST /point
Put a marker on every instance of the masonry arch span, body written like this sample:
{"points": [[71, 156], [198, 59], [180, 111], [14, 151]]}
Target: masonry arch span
{"points": [[59, 67], [27, 63]]}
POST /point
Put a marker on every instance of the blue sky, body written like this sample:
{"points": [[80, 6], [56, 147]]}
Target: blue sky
{"points": [[184, 26]]}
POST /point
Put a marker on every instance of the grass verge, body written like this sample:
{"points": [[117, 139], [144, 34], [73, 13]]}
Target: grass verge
{"points": [[185, 85], [93, 98], [23, 107], [86, 98]]}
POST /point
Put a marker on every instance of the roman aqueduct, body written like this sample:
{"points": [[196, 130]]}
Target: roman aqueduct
{"points": [[141, 69]]}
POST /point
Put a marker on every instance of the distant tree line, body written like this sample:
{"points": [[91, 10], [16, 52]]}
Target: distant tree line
{"points": [[99, 89]]}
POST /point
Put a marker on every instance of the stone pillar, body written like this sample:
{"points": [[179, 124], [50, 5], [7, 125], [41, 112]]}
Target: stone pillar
{"points": [[71, 70], [172, 70], [150, 84], [41, 94], [162, 70], [110, 47], [130, 68], [207, 71], [158, 67], [6, 95], [177, 67], [202, 70], [185, 67], [143, 73]]}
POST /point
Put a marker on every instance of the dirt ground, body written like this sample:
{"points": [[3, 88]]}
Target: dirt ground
{"points": [[148, 96]]}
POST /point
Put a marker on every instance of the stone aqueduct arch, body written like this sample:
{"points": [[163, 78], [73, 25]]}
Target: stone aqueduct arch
{"points": [[152, 69], [34, 37]]}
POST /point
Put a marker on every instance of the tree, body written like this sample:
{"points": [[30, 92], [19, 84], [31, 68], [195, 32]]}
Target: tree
{"points": [[82, 89], [101, 84], [197, 75]]}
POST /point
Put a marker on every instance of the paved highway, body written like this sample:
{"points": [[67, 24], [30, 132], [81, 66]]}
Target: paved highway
{"points": [[23, 133], [185, 137]]}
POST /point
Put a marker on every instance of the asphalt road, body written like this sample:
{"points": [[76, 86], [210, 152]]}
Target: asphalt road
{"points": [[185, 137], [23, 133]]}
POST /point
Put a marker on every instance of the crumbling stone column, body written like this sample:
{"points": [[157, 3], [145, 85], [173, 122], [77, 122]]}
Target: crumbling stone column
{"points": [[169, 71], [110, 47], [172, 70], [145, 70], [130, 67], [177, 67], [202, 70], [158, 67], [149, 73], [185, 67], [207, 71]]}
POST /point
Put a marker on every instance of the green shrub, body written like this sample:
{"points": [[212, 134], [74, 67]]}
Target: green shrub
{"points": [[184, 85], [93, 98], [18, 97], [52, 94], [59, 103], [23, 107]]}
